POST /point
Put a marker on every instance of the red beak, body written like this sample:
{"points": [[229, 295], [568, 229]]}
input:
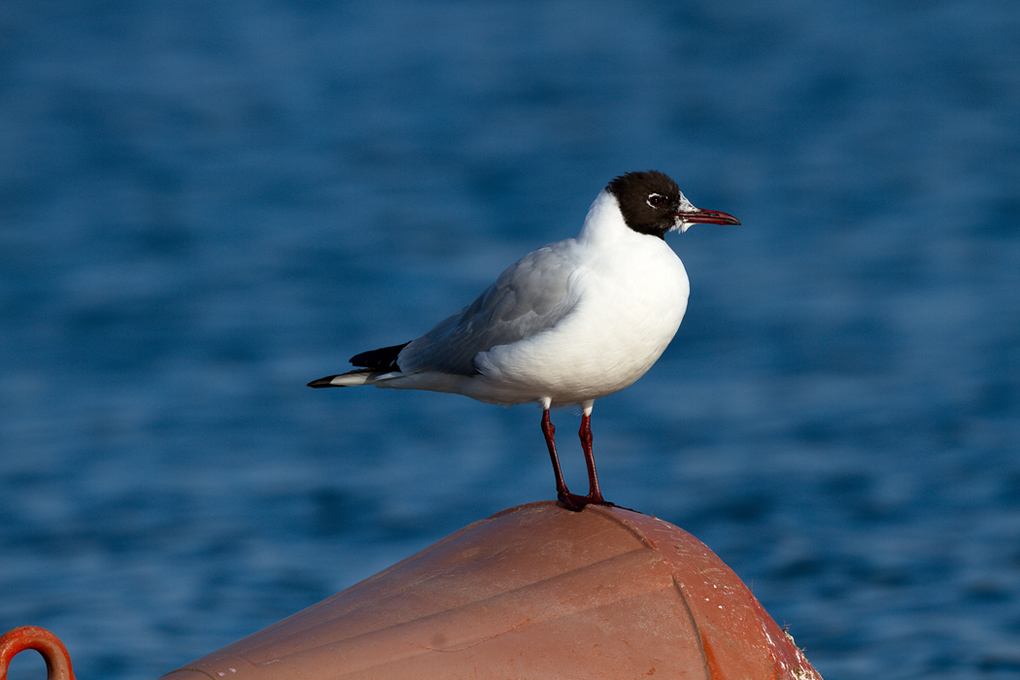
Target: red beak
{"points": [[708, 216]]}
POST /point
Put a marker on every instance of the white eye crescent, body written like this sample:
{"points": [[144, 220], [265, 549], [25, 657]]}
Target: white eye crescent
{"points": [[655, 200]]}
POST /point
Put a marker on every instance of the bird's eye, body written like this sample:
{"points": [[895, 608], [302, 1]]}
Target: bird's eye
{"points": [[655, 200]]}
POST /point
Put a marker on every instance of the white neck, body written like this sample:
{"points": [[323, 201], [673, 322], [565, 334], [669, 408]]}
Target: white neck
{"points": [[604, 222]]}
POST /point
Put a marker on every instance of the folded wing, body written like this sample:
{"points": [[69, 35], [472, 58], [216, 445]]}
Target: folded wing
{"points": [[531, 296]]}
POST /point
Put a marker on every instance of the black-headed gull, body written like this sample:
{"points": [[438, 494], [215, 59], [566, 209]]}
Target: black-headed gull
{"points": [[566, 324]]}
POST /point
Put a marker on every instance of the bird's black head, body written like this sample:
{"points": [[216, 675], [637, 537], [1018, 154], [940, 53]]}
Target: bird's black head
{"points": [[649, 201], [652, 204]]}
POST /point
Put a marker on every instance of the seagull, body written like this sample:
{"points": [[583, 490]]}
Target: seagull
{"points": [[566, 324]]}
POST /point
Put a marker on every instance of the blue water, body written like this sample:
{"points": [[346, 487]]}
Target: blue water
{"points": [[203, 206]]}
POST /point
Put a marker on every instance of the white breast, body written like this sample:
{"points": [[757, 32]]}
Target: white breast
{"points": [[632, 293]]}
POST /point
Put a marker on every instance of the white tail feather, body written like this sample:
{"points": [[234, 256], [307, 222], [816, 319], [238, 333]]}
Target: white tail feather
{"points": [[353, 378]]}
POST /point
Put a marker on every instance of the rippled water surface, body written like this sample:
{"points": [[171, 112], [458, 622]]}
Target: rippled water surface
{"points": [[205, 205]]}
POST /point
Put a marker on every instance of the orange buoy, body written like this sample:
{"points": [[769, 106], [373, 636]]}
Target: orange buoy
{"points": [[536, 591], [58, 661]]}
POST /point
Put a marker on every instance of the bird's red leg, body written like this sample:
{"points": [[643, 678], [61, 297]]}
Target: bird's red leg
{"points": [[594, 493], [571, 501]]}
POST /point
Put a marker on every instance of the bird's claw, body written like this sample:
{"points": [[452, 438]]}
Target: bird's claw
{"points": [[575, 503]]}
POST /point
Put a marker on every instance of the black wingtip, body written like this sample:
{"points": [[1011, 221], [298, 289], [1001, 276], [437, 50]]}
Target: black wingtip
{"points": [[324, 382], [383, 359]]}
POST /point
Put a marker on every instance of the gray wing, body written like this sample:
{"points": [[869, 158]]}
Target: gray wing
{"points": [[529, 297]]}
